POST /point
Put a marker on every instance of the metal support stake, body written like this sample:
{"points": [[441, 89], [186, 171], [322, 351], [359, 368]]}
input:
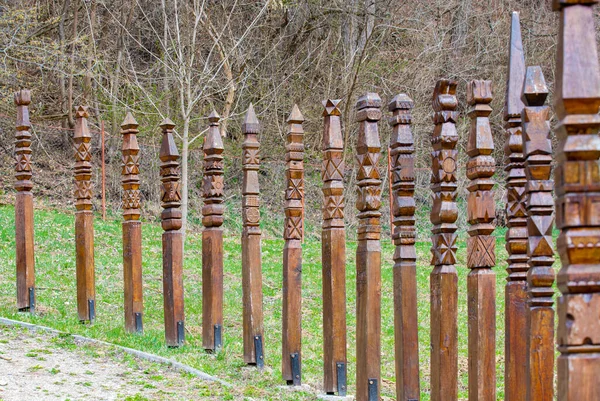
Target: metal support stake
{"points": [[92, 310], [138, 322], [258, 352], [373, 390], [296, 376], [32, 299], [341, 379], [218, 343], [180, 333]]}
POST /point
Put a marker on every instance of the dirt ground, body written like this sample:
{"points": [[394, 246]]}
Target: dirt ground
{"points": [[37, 366]]}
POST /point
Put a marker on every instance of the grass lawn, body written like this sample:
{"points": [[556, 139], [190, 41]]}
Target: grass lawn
{"points": [[56, 303]]}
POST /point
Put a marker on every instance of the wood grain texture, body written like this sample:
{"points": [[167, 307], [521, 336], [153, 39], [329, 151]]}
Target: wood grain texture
{"points": [[251, 239], [576, 100], [172, 238], [212, 236], [333, 243], [481, 244], [515, 293], [444, 212], [537, 149], [24, 236], [406, 323], [84, 218], [292, 251], [368, 251], [132, 227]]}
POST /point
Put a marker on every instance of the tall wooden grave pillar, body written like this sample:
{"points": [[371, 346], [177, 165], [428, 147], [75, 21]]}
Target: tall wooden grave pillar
{"points": [[292, 251], [212, 237], [537, 149], [84, 218], [405, 256], [132, 227], [333, 243], [515, 293], [368, 251], [172, 238], [577, 99], [481, 245], [251, 248], [25, 259], [444, 280]]}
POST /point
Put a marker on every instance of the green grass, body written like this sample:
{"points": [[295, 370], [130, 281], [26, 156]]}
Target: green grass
{"points": [[56, 303]]}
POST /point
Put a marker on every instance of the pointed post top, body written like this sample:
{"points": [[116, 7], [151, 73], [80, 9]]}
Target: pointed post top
{"points": [[535, 90], [516, 71], [444, 95], [81, 112], [251, 124], [129, 122], [331, 107], [213, 136], [368, 100], [22, 97], [214, 118], [296, 116], [401, 101], [168, 149], [167, 125]]}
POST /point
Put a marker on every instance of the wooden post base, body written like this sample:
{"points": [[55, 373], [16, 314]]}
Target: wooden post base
{"points": [[292, 309], [252, 296], [24, 252], [173, 288], [515, 318], [132, 276], [84, 243], [212, 288]]}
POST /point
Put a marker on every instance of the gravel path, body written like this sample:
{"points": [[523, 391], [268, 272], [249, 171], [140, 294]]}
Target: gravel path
{"points": [[38, 366]]}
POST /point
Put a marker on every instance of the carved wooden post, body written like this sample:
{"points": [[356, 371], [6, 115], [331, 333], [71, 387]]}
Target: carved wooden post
{"points": [[25, 261], [172, 238], [84, 218], [132, 227], [368, 251], [444, 212], [515, 377], [212, 238], [292, 252], [251, 249], [481, 252], [537, 149], [405, 256], [333, 243], [577, 98]]}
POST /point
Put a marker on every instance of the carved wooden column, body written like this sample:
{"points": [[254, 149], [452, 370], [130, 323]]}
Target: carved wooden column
{"points": [[212, 237], [515, 341], [251, 249], [405, 256], [84, 218], [25, 260], [292, 251], [481, 245], [368, 251], [333, 243], [172, 238], [577, 99], [537, 149], [444, 280], [132, 227]]}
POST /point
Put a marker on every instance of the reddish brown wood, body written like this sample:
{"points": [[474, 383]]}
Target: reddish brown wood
{"points": [[515, 317], [84, 218], [292, 251], [212, 237], [481, 245], [443, 279], [333, 243], [577, 99], [368, 251], [537, 149], [24, 243], [132, 227], [251, 247], [172, 238], [402, 198]]}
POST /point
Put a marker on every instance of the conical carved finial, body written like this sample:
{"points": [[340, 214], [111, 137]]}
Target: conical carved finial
{"points": [[129, 122], [168, 149], [213, 141], [214, 117], [251, 124], [212, 181], [169, 172], [516, 71], [535, 90], [130, 169], [295, 116], [332, 131]]}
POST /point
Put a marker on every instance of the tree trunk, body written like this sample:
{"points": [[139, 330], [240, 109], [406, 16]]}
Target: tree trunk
{"points": [[184, 173]]}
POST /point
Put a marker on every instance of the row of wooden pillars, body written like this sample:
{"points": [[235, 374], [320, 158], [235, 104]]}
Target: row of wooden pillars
{"points": [[529, 316]]}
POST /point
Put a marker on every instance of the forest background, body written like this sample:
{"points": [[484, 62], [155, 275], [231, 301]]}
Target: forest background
{"points": [[180, 59]]}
